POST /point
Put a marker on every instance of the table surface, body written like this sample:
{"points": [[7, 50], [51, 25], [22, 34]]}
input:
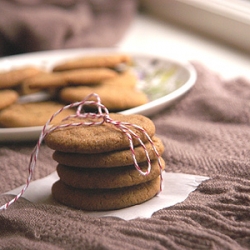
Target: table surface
{"points": [[148, 34]]}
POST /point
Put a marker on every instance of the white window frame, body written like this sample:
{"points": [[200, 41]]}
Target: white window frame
{"points": [[226, 20]]}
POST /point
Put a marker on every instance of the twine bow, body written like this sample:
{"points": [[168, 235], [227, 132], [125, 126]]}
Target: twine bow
{"points": [[102, 116]]}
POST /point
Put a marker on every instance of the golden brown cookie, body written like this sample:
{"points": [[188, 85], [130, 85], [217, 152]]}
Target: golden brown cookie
{"points": [[44, 81], [88, 76], [97, 139], [72, 77], [98, 61], [115, 98], [7, 97], [14, 77], [31, 114], [105, 199], [109, 159], [108, 177]]}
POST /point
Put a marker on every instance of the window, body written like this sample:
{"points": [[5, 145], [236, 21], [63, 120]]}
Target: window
{"points": [[226, 20]]}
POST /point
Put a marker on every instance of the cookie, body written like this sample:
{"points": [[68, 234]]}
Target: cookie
{"points": [[105, 199], [7, 97], [98, 61], [97, 139], [118, 177], [45, 81], [31, 114], [124, 79], [109, 159], [72, 77], [14, 77], [88, 76], [115, 98]]}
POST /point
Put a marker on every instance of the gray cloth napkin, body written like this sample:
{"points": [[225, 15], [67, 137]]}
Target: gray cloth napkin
{"points": [[207, 133], [35, 25]]}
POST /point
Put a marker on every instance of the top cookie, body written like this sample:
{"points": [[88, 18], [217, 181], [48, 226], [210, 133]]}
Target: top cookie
{"points": [[109, 61], [100, 138]]}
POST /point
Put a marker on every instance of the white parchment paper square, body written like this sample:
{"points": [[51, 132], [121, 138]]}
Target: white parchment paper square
{"points": [[176, 188]]}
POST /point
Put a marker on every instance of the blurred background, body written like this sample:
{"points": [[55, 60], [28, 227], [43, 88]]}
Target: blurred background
{"points": [[214, 32], [225, 20]]}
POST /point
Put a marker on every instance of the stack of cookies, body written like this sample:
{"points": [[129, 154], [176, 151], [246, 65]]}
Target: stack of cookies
{"points": [[96, 167]]}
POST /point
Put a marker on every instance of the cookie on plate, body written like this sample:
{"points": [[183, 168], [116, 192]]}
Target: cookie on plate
{"points": [[31, 114], [115, 177], [88, 76], [105, 199], [115, 98], [97, 139], [111, 159], [7, 97], [14, 77], [72, 77], [98, 61]]}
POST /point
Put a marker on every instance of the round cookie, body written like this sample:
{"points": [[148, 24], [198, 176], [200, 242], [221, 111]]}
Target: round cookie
{"points": [[86, 178], [98, 139], [45, 80], [14, 77], [105, 199], [32, 114], [7, 97], [88, 76], [99, 61], [109, 159], [74, 77], [115, 98]]}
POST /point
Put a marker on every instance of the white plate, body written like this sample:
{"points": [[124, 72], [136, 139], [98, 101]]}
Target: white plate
{"points": [[164, 80]]}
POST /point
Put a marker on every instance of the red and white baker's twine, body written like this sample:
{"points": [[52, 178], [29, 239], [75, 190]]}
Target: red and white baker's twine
{"points": [[103, 116]]}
